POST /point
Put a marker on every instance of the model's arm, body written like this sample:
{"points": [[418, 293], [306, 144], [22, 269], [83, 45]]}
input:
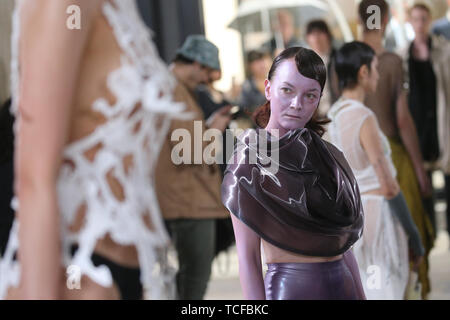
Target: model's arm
{"points": [[50, 55], [408, 134], [248, 245], [371, 142]]}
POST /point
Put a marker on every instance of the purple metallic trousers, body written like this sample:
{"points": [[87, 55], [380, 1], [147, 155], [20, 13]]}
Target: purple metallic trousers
{"points": [[336, 280]]}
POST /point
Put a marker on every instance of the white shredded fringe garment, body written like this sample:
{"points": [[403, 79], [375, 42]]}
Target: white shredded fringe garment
{"points": [[382, 252], [142, 79]]}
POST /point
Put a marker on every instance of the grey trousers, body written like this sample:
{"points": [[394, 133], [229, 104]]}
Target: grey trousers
{"points": [[194, 240]]}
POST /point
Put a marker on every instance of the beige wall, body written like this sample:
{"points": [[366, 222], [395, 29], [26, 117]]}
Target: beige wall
{"points": [[218, 14], [6, 8]]}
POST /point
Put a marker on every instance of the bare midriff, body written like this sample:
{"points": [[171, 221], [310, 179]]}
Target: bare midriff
{"points": [[274, 254], [101, 57]]}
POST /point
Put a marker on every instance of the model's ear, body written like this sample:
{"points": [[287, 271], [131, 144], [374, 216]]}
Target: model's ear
{"points": [[267, 89], [363, 73]]}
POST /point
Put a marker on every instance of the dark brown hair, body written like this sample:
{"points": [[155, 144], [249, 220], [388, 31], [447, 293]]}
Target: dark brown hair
{"points": [[311, 66], [349, 60], [320, 26]]}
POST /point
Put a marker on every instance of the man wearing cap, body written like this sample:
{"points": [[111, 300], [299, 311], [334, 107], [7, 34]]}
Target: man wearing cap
{"points": [[189, 194]]}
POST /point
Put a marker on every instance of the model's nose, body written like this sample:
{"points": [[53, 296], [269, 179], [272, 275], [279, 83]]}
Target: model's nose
{"points": [[296, 103]]}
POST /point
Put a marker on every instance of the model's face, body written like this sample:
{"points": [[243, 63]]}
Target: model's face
{"points": [[420, 21], [319, 42], [293, 97]]}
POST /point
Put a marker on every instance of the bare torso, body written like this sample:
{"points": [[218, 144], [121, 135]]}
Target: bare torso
{"points": [[102, 55], [274, 254]]}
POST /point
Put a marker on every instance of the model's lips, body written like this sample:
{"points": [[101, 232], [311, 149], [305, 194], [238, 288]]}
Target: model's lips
{"points": [[293, 117]]}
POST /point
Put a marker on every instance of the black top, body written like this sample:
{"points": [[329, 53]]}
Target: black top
{"points": [[6, 173], [207, 103], [6, 133], [297, 192], [423, 104]]}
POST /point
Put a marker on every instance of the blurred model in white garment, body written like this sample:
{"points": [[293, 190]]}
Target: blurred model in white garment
{"points": [[93, 106]]}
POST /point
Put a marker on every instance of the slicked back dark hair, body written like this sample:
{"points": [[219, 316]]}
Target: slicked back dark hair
{"points": [[349, 60], [309, 65]]}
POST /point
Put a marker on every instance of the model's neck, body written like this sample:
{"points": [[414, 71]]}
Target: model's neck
{"points": [[357, 94], [375, 40], [275, 129], [421, 39]]}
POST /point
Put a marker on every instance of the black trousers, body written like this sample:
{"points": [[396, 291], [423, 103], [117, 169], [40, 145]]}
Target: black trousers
{"points": [[127, 279], [447, 199], [6, 212]]}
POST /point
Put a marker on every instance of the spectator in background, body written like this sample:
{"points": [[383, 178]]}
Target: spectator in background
{"points": [[442, 26], [209, 98], [252, 93], [189, 194], [284, 34], [320, 39], [390, 105], [426, 60]]}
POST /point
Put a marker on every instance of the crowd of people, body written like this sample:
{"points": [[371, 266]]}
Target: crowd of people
{"points": [[360, 132]]}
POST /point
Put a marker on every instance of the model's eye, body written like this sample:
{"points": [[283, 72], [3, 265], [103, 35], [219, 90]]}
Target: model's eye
{"points": [[311, 96], [286, 90]]}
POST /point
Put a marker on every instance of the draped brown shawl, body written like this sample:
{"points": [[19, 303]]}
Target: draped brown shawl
{"points": [[310, 206]]}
